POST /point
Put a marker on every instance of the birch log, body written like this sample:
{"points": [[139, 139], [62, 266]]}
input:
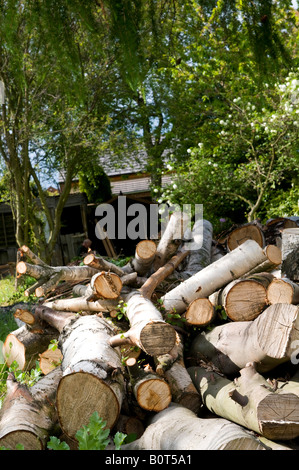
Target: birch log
{"points": [[28, 415], [177, 428], [268, 340], [147, 330], [213, 277], [283, 291], [201, 312], [250, 401], [290, 254], [246, 232], [83, 304], [145, 253], [101, 264], [200, 248]]}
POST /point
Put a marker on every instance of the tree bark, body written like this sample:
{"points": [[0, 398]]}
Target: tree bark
{"points": [[283, 291], [28, 415], [290, 254], [144, 256], [177, 428], [101, 264], [91, 374], [245, 232], [151, 391], [200, 248], [82, 304], [267, 341], [147, 330], [226, 269], [244, 299], [249, 401]]}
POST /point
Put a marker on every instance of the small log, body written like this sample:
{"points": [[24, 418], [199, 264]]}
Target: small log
{"points": [[283, 291], [177, 428], [144, 256], [151, 391], [28, 415], [101, 264], [147, 330], [215, 276], [271, 263], [200, 248], [92, 377], [244, 299], [106, 285], [290, 254], [249, 401], [49, 360], [201, 312], [246, 232], [82, 304], [24, 345], [267, 341]]}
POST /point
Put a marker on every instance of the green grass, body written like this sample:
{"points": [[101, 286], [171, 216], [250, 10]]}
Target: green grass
{"points": [[8, 294]]}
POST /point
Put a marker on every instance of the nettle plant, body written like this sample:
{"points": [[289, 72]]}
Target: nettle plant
{"points": [[247, 157]]}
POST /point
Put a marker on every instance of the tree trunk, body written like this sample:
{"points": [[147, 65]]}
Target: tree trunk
{"points": [[151, 391], [201, 312], [283, 291], [200, 248], [244, 299], [92, 379], [245, 232], [268, 341], [250, 401], [24, 345], [147, 330], [28, 415], [177, 428], [290, 254], [101, 264], [207, 281]]}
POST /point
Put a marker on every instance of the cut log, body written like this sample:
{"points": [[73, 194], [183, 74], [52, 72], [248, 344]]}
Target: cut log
{"points": [[144, 256], [49, 360], [129, 425], [249, 401], [290, 254], [147, 330], [92, 377], [201, 312], [101, 264], [215, 276], [106, 285], [244, 299], [267, 341], [151, 391], [161, 274], [28, 416], [271, 263], [82, 304], [177, 428], [245, 232], [283, 291], [171, 238], [200, 248], [24, 346]]}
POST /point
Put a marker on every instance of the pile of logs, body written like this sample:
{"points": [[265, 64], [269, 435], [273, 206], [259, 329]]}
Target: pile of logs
{"points": [[191, 345]]}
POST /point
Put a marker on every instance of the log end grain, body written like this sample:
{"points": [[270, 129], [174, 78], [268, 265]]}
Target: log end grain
{"points": [[157, 338], [146, 249], [241, 234], [21, 267], [280, 292], [49, 360], [200, 312], [79, 395], [245, 300], [27, 439], [14, 350], [107, 285], [274, 254], [278, 416], [153, 395]]}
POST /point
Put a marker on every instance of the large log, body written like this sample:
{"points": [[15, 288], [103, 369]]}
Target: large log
{"points": [[250, 401], [178, 428], [28, 415], [147, 330], [244, 299], [213, 277], [200, 248], [239, 235], [92, 377], [283, 291], [290, 254], [268, 340]]}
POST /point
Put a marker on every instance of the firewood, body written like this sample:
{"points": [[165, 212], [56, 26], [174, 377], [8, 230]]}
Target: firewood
{"points": [[244, 299], [49, 360], [201, 312], [268, 341], [151, 391], [82, 304], [199, 248], [28, 415], [250, 401], [106, 285], [290, 254], [246, 232], [147, 330], [177, 428], [144, 256], [101, 264], [213, 277], [283, 291]]}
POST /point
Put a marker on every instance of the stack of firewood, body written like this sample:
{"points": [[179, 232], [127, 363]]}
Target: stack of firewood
{"points": [[191, 345]]}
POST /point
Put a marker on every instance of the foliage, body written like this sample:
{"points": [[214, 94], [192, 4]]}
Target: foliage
{"points": [[94, 436], [9, 295], [94, 182]]}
